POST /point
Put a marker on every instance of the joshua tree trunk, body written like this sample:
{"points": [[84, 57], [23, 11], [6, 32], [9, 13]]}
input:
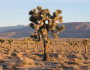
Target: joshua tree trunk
{"points": [[46, 53], [85, 49], [27, 44], [10, 45], [46, 45]]}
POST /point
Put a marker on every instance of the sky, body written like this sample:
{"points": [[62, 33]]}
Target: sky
{"points": [[15, 12]]}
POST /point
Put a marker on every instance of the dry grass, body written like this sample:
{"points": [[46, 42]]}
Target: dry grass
{"points": [[63, 56]]}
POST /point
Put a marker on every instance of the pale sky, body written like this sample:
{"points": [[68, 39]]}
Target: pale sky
{"points": [[14, 12]]}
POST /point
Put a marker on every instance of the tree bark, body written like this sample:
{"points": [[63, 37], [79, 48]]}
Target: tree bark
{"points": [[27, 44], [86, 49], [10, 45], [46, 53], [46, 45]]}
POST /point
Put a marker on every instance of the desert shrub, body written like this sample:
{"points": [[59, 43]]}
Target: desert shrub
{"points": [[11, 66], [39, 63], [24, 61], [10, 41], [2, 40]]}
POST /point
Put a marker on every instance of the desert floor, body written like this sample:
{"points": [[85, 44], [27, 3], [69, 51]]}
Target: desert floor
{"points": [[63, 56]]}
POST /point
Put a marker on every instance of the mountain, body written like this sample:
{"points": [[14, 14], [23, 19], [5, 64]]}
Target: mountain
{"points": [[2, 29], [72, 30], [76, 30]]}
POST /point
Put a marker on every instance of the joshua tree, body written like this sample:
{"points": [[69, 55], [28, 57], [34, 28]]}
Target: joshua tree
{"points": [[27, 41], [69, 41], [85, 42], [2, 40], [29, 38], [25, 38], [10, 41], [22, 42], [43, 22]]}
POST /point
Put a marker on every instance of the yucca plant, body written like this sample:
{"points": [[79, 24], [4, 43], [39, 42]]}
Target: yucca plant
{"points": [[16, 42], [36, 44], [2, 40], [29, 39], [85, 42], [69, 41], [10, 41], [38, 18], [26, 40], [22, 42]]}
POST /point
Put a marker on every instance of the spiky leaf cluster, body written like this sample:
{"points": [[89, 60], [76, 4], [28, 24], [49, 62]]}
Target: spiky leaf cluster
{"points": [[10, 40], [25, 39], [2, 40], [85, 42], [50, 41], [39, 16], [29, 38], [23, 42]]}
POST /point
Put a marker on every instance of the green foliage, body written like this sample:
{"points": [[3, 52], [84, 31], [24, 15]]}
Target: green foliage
{"points": [[62, 27], [39, 8], [23, 42], [50, 41], [38, 18], [34, 10], [35, 36], [61, 17], [56, 37], [59, 11], [29, 38], [31, 12], [85, 42], [33, 19], [36, 41], [78, 41], [25, 39], [69, 40], [55, 14], [32, 25], [10, 40], [2, 40], [49, 15], [52, 27], [71, 43]]}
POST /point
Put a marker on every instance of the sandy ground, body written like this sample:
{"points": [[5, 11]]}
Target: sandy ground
{"points": [[63, 56]]}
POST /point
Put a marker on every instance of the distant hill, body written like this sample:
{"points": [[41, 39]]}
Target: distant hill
{"points": [[72, 30], [2, 29], [76, 30]]}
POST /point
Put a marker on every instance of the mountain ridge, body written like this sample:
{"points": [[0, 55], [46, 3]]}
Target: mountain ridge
{"points": [[5, 28], [72, 30]]}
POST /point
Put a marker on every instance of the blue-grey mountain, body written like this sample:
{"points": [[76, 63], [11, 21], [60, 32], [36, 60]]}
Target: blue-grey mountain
{"points": [[72, 30]]}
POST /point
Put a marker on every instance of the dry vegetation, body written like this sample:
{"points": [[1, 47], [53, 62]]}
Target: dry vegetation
{"points": [[64, 55]]}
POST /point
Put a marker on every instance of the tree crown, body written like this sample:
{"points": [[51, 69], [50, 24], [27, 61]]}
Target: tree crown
{"points": [[38, 18]]}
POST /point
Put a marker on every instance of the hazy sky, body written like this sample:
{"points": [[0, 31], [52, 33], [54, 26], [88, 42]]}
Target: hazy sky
{"points": [[14, 12]]}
